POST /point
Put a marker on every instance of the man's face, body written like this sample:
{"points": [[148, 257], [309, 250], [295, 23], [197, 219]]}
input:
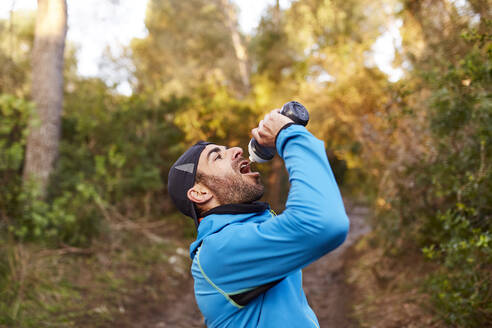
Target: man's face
{"points": [[228, 175]]}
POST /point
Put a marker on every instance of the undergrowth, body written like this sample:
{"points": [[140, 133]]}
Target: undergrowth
{"points": [[90, 287]]}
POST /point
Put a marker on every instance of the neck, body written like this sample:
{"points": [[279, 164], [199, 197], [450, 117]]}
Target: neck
{"points": [[208, 206]]}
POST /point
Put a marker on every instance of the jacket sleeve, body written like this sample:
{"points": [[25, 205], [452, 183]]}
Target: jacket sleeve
{"points": [[244, 256]]}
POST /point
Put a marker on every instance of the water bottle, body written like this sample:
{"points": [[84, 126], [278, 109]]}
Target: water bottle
{"points": [[293, 110]]}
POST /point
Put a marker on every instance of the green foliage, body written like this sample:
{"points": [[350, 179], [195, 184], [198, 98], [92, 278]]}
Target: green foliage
{"points": [[14, 114], [463, 181], [214, 114], [66, 218], [25, 214], [16, 39], [188, 44], [121, 146], [114, 154], [447, 206]]}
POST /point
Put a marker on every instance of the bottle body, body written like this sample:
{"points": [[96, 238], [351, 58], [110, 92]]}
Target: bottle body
{"points": [[293, 110], [259, 153]]}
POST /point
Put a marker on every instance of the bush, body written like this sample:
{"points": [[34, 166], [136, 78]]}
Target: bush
{"points": [[23, 212], [444, 202], [461, 230], [14, 114], [114, 150]]}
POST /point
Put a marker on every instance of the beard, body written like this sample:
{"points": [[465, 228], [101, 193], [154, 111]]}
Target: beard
{"points": [[233, 189]]}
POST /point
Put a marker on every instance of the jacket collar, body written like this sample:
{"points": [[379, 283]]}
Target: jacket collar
{"points": [[238, 208]]}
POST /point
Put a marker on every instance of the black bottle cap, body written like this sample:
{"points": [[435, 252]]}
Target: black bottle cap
{"points": [[296, 112]]}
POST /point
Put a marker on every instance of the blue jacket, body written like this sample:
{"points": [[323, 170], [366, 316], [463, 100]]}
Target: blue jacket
{"points": [[236, 255]]}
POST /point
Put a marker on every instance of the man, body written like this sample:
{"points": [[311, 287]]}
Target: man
{"points": [[247, 261]]}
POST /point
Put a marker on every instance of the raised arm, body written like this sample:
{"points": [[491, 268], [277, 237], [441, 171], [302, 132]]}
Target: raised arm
{"points": [[313, 223]]}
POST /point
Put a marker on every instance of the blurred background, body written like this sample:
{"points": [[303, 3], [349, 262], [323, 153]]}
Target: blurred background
{"points": [[99, 98]]}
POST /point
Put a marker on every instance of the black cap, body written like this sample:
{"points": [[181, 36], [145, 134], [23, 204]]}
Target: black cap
{"points": [[182, 177]]}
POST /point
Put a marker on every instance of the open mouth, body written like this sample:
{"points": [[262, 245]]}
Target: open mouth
{"points": [[244, 168]]}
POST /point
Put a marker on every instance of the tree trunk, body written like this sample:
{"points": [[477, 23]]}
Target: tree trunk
{"points": [[239, 48], [47, 91], [276, 15]]}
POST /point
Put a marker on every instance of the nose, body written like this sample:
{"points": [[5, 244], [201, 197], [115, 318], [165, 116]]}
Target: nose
{"points": [[236, 152]]}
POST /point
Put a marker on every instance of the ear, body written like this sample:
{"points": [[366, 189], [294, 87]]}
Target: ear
{"points": [[199, 194]]}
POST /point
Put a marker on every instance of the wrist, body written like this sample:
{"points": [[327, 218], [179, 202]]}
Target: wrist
{"points": [[281, 129]]}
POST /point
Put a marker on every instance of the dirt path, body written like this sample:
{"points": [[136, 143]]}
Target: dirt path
{"points": [[324, 284], [324, 281], [181, 312]]}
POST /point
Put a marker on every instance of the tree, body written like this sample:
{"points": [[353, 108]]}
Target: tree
{"points": [[47, 91], [16, 40], [239, 48], [189, 44], [317, 52]]}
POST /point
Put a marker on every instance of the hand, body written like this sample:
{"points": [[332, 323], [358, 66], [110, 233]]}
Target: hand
{"points": [[269, 127]]}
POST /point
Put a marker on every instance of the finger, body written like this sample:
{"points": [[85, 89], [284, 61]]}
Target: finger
{"points": [[255, 134], [270, 116], [262, 133], [260, 126], [275, 114]]}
